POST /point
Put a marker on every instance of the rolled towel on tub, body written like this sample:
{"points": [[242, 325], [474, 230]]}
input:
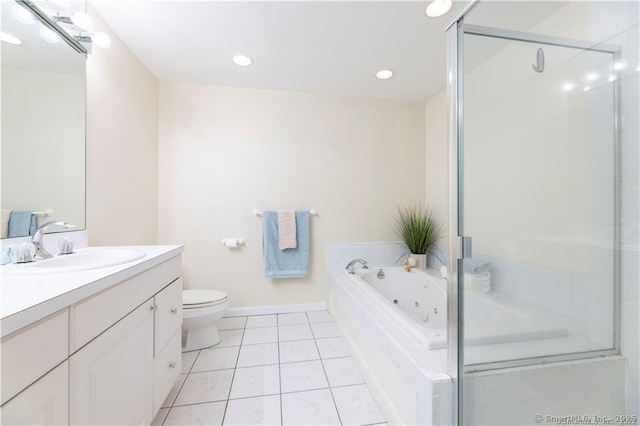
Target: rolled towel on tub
{"points": [[290, 263]]}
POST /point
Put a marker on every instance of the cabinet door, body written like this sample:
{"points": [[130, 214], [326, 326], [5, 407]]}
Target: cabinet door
{"points": [[111, 378], [167, 368], [168, 314], [45, 402]]}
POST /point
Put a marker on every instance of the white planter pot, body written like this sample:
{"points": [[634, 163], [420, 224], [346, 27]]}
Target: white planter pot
{"points": [[421, 260]]}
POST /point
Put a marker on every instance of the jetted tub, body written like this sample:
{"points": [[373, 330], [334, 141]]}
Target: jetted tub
{"points": [[421, 301]]}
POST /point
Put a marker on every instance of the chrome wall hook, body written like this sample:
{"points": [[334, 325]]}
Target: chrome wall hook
{"points": [[539, 65]]}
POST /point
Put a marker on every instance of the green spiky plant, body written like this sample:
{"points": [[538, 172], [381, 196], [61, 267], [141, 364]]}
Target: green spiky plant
{"points": [[418, 228]]}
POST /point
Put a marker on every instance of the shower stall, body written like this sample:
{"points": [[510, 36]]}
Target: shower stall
{"points": [[543, 148]]}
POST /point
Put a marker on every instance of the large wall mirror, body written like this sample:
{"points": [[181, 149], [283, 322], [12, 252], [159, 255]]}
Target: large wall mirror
{"points": [[43, 122]]}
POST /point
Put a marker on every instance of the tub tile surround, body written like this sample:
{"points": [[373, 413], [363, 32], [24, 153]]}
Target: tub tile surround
{"points": [[381, 253], [300, 379]]}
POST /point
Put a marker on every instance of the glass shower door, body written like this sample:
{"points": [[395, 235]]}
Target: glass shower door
{"points": [[538, 198]]}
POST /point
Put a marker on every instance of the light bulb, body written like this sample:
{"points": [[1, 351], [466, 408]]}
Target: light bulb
{"points": [[82, 21], [49, 36], [23, 15], [242, 60], [8, 38], [620, 65], [384, 74], [612, 77], [568, 87], [438, 8], [101, 39], [591, 76]]}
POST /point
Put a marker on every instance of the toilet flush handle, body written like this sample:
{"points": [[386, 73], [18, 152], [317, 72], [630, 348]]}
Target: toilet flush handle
{"points": [[174, 310]]}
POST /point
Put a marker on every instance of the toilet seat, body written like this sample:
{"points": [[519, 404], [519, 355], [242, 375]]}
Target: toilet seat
{"points": [[193, 299]]}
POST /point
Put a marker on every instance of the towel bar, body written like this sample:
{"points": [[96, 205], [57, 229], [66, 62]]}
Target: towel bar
{"points": [[260, 213], [44, 213]]}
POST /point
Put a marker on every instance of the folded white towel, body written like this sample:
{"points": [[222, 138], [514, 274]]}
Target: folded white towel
{"points": [[287, 237], [4, 222], [479, 283]]}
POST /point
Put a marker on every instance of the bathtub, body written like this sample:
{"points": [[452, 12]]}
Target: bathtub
{"points": [[420, 299]]}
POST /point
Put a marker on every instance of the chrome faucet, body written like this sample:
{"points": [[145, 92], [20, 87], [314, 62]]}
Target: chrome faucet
{"points": [[353, 262], [38, 237]]}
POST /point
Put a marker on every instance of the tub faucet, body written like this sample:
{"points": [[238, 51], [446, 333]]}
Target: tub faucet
{"points": [[38, 237], [353, 262]]}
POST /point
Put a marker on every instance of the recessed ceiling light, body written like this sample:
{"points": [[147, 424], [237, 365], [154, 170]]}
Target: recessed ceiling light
{"points": [[568, 87], [384, 74], [242, 60], [23, 15], [438, 8], [49, 36], [8, 38]]}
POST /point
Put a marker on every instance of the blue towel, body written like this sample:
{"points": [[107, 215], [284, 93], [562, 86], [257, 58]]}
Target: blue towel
{"points": [[289, 263], [21, 224]]}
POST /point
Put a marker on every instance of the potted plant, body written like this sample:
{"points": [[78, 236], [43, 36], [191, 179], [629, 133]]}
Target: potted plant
{"points": [[419, 229]]}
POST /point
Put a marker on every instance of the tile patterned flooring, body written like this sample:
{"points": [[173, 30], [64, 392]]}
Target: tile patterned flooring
{"points": [[285, 369]]}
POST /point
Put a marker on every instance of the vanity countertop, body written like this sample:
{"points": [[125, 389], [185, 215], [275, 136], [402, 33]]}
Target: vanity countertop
{"points": [[25, 299]]}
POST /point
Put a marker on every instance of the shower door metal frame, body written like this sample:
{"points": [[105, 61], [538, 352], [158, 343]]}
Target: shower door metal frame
{"points": [[456, 29]]}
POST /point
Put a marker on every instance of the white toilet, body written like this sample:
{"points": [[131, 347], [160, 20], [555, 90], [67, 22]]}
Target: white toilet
{"points": [[200, 310]]}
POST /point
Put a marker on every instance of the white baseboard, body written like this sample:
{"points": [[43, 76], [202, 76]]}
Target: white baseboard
{"points": [[276, 309]]}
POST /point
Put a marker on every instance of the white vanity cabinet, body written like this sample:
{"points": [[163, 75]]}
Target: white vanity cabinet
{"points": [[110, 358]]}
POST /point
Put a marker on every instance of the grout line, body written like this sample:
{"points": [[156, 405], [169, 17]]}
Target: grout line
{"points": [[200, 403], [233, 376], [280, 377], [335, 406]]}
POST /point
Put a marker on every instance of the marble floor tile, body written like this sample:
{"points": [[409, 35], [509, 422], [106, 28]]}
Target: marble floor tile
{"points": [[159, 418], [231, 323], [255, 381], [333, 347], [188, 358], [229, 338], [199, 414], [261, 410], [318, 316], [291, 319], [208, 386], [216, 359], [342, 372], [299, 350], [309, 408], [288, 333], [301, 376], [254, 355], [254, 336], [262, 321], [357, 406], [325, 329], [170, 399]]}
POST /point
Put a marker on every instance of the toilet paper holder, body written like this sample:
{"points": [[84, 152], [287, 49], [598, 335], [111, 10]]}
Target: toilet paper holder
{"points": [[233, 242]]}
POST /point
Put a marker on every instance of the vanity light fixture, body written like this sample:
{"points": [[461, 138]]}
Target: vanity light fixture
{"points": [[242, 60], [11, 39], [49, 36], [438, 8], [101, 39], [23, 15], [82, 20], [384, 74]]}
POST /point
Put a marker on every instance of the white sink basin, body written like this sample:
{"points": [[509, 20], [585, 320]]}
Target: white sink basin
{"points": [[82, 260]]}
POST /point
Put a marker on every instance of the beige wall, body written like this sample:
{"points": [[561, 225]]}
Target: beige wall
{"points": [[225, 151], [122, 146], [437, 160]]}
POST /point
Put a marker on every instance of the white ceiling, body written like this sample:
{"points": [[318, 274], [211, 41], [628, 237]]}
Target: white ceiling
{"points": [[319, 47], [329, 47]]}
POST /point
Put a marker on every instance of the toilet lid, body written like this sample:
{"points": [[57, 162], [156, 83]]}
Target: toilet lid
{"points": [[191, 298]]}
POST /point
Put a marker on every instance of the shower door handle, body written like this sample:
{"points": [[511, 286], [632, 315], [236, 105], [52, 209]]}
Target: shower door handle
{"points": [[464, 247]]}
